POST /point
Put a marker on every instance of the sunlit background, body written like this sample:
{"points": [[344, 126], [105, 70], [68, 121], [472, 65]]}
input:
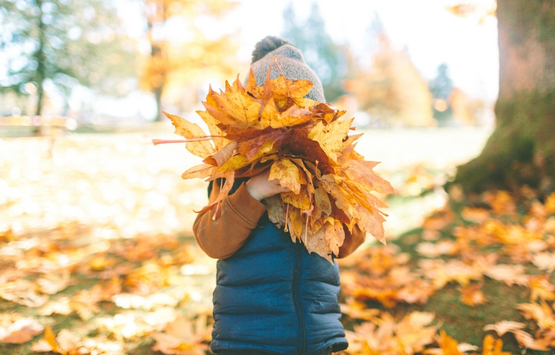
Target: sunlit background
{"points": [[95, 221], [99, 65], [86, 81]]}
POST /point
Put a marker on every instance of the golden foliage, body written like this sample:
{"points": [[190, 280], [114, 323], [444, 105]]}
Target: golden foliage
{"points": [[307, 147]]}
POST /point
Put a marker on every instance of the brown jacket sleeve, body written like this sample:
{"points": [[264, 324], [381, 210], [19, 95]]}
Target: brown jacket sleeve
{"points": [[352, 241], [237, 217]]}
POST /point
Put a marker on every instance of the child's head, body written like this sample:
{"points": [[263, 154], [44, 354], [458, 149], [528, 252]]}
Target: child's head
{"points": [[291, 62]]}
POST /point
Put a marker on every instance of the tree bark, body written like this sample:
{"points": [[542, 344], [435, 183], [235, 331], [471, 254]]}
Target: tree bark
{"points": [[157, 57], [521, 150], [158, 97], [40, 57]]}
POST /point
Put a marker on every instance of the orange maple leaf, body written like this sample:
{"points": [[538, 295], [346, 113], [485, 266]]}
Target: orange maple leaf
{"points": [[449, 346], [472, 295], [493, 346]]}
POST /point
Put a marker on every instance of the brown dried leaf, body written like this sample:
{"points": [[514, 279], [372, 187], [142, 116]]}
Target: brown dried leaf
{"points": [[54, 283], [60, 306], [22, 292], [527, 341], [361, 172], [472, 295], [199, 171], [183, 337], [276, 213], [505, 326], [221, 156], [322, 202], [20, 331], [327, 240], [293, 116], [510, 274]]}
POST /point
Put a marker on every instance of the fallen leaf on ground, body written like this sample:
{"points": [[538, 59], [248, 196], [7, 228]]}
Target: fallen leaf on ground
{"points": [[504, 326], [20, 331], [183, 337]]}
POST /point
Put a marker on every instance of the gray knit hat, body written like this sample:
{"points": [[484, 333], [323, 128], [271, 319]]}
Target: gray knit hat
{"points": [[291, 62]]}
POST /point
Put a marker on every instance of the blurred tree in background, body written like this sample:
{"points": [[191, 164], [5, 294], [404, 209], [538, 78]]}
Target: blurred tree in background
{"points": [[388, 86], [181, 47], [521, 150], [326, 58], [467, 110], [65, 43], [441, 87]]}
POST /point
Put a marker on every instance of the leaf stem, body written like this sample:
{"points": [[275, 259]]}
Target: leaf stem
{"points": [[281, 71], [199, 139], [286, 216]]}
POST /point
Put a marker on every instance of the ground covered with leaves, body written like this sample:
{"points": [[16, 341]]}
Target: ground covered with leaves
{"points": [[97, 257]]}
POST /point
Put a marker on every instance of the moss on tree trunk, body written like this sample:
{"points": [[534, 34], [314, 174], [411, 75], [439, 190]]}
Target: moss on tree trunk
{"points": [[521, 150], [518, 152]]}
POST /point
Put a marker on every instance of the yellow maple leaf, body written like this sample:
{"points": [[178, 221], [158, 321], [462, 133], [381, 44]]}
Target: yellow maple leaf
{"points": [[550, 204], [330, 136], [541, 288], [191, 130], [238, 105], [270, 116], [287, 173]]}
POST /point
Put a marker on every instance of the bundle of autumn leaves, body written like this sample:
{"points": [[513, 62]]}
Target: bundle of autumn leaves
{"points": [[306, 146]]}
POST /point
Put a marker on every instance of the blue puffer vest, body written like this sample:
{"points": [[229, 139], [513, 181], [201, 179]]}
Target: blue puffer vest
{"points": [[273, 296]]}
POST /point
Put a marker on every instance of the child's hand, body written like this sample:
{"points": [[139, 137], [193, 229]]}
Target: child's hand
{"points": [[260, 188]]}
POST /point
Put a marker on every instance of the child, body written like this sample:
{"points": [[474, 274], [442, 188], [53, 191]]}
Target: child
{"points": [[272, 296]]}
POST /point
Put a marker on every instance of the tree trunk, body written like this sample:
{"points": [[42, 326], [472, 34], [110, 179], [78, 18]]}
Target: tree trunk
{"points": [[521, 150], [157, 57], [40, 57], [158, 97]]}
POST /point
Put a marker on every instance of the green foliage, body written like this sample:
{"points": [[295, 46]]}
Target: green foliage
{"points": [[320, 52], [67, 42], [441, 87]]}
